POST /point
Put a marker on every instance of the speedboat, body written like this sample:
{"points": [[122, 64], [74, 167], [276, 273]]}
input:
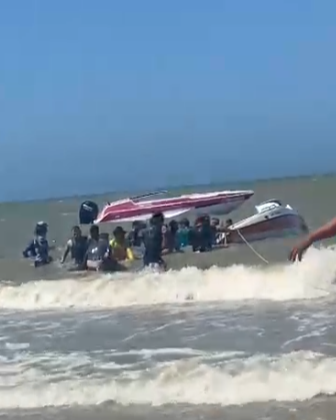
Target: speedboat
{"points": [[271, 220], [134, 208]]}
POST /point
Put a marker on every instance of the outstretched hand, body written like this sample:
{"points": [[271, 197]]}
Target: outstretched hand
{"points": [[298, 251]]}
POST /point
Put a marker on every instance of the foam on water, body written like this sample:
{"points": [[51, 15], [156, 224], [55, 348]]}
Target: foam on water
{"points": [[262, 378], [310, 279]]}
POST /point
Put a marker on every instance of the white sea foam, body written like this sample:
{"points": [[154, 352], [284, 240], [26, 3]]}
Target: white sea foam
{"points": [[289, 377], [313, 278]]}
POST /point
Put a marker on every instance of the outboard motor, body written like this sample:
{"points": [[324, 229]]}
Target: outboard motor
{"points": [[88, 212]]}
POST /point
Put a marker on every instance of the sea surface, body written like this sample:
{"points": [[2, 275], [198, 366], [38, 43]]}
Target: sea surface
{"points": [[221, 335]]}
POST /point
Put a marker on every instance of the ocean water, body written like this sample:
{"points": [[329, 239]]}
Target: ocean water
{"points": [[220, 335]]}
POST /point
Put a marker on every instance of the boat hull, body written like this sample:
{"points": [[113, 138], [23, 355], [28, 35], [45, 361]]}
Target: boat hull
{"points": [[218, 203], [284, 226], [272, 220]]}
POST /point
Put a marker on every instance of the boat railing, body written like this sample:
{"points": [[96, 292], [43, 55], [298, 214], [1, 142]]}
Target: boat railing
{"points": [[137, 198]]}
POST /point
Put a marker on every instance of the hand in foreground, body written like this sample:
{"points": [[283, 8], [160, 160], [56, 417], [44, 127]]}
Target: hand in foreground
{"points": [[298, 251]]}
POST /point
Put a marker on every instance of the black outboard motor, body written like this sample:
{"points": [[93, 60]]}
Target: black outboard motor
{"points": [[88, 213]]}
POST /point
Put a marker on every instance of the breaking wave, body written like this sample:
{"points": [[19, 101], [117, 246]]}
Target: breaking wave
{"points": [[311, 279], [294, 376]]}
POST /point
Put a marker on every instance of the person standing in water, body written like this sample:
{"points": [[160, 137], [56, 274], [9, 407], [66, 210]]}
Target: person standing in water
{"points": [[153, 242], [119, 244], [324, 232], [201, 235], [183, 233], [99, 256], [98, 251], [38, 248], [77, 247], [135, 236]]}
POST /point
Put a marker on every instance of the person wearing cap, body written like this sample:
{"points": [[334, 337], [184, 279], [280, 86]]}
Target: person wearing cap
{"points": [[119, 245], [38, 248]]}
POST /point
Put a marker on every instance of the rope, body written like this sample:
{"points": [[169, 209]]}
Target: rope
{"points": [[251, 247], [267, 262]]}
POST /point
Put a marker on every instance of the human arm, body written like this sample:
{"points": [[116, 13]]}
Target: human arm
{"points": [[324, 232], [66, 251], [30, 250]]}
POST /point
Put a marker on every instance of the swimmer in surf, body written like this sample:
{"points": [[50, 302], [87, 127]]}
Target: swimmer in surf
{"points": [[324, 232]]}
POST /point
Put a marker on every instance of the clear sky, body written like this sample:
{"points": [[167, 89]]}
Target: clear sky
{"points": [[113, 95]]}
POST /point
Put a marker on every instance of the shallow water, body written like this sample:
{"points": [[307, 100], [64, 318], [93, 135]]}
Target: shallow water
{"points": [[240, 339]]}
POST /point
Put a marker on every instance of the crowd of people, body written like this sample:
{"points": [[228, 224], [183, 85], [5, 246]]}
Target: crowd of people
{"points": [[149, 242]]}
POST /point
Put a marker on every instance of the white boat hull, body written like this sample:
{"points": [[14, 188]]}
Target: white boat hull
{"points": [[272, 220]]}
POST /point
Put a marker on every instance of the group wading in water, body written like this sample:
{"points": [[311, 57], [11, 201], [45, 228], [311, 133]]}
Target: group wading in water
{"points": [[149, 242]]}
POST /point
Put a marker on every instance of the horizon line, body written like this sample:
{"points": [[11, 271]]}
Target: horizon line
{"points": [[168, 188]]}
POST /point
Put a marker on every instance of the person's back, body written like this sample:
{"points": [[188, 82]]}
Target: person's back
{"points": [[153, 242], [78, 247], [183, 233], [92, 250], [174, 228], [104, 249], [183, 236], [195, 238], [93, 258], [201, 235], [98, 253], [135, 236]]}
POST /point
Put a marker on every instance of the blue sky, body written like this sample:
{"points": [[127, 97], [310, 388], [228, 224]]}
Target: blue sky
{"points": [[115, 95]]}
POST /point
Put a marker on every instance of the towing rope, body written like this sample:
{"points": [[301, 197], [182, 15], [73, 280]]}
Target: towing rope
{"points": [[251, 247]]}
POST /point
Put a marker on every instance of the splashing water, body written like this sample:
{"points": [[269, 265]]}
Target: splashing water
{"points": [[311, 279]]}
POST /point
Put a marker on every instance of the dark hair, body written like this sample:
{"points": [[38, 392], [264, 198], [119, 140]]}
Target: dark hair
{"points": [[157, 217], [94, 229], [173, 226], [185, 222]]}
